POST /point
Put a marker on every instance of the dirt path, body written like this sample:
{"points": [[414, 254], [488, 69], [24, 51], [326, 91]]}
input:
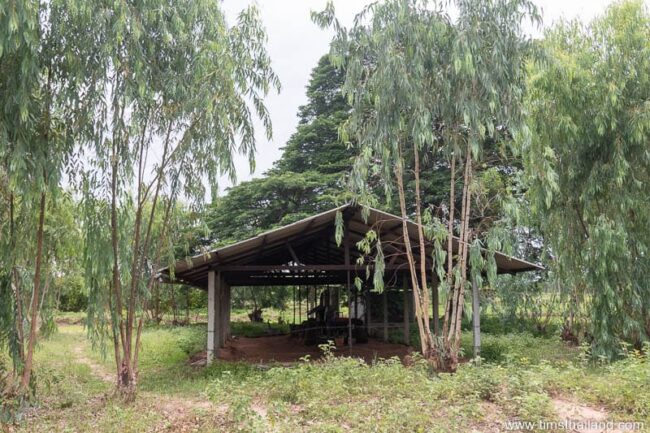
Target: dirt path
{"points": [[583, 418], [177, 414], [97, 370], [186, 414]]}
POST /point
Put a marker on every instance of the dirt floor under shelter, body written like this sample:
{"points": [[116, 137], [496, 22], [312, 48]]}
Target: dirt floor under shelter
{"points": [[284, 349]]}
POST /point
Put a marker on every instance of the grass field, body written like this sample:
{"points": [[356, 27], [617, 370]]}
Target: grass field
{"points": [[525, 378]]}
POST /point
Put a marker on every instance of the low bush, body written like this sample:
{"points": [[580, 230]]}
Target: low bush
{"points": [[253, 329]]}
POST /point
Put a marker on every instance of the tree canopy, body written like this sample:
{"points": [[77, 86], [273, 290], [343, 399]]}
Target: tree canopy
{"points": [[587, 163], [426, 87], [307, 179], [49, 77]]}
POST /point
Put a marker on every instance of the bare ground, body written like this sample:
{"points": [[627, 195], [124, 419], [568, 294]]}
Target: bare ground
{"points": [[189, 414], [284, 349], [583, 415], [176, 414]]}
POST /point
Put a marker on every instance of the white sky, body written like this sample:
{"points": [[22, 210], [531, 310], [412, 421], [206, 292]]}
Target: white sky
{"points": [[295, 44]]}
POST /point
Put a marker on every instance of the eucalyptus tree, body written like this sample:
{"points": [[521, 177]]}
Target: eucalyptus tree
{"points": [[425, 87], [588, 165], [48, 73], [183, 88]]}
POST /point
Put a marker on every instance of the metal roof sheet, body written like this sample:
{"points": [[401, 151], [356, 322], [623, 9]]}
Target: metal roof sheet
{"points": [[196, 268]]}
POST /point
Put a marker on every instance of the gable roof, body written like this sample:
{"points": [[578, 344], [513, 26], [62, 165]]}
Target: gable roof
{"points": [[305, 252]]}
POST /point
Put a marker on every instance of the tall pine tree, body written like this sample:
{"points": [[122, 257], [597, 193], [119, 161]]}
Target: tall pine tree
{"points": [[307, 179]]}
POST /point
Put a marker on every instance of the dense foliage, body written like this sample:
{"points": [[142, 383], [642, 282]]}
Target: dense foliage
{"points": [[588, 167], [139, 104], [426, 87], [183, 87], [48, 81]]}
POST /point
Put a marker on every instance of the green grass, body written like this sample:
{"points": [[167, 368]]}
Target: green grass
{"points": [[71, 317], [513, 347], [521, 375], [249, 329], [272, 315], [70, 397]]}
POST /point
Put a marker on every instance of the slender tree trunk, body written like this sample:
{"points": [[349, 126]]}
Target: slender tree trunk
{"points": [[459, 300], [121, 357], [450, 245], [135, 272], [46, 288], [16, 287], [426, 340], [422, 296], [33, 309], [58, 298], [18, 295], [141, 248], [451, 332], [152, 279], [455, 292]]}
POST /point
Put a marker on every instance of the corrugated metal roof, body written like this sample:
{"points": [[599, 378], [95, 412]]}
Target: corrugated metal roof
{"points": [[194, 270]]}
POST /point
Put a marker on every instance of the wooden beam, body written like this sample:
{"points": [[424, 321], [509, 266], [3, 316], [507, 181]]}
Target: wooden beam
{"points": [[261, 250], [293, 254], [278, 243], [303, 268], [297, 280]]}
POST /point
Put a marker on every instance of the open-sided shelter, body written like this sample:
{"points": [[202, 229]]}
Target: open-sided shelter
{"points": [[306, 253]]}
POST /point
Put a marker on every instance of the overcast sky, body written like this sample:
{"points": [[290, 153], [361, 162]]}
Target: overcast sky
{"points": [[295, 44]]}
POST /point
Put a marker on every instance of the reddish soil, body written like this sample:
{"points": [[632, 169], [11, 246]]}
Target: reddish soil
{"points": [[284, 349]]}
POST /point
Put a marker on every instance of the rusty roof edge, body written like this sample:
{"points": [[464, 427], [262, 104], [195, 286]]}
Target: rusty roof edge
{"points": [[206, 256], [258, 236], [529, 265]]}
